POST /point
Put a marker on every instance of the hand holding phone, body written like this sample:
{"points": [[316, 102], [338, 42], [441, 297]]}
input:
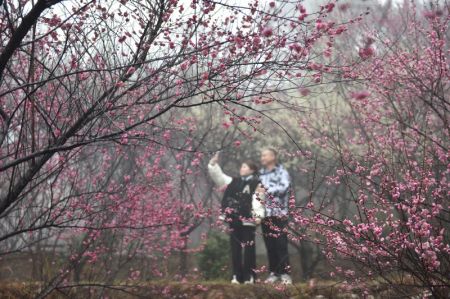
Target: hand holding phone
{"points": [[214, 159]]}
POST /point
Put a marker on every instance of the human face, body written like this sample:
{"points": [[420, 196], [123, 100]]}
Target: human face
{"points": [[245, 170], [268, 158]]}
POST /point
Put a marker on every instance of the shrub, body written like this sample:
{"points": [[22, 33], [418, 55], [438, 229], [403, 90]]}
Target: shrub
{"points": [[214, 259]]}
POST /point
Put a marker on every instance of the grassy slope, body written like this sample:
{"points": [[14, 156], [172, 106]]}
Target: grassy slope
{"points": [[157, 290], [194, 290]]}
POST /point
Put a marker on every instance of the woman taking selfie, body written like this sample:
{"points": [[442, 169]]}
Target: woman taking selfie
{"points": [[242, 209]]}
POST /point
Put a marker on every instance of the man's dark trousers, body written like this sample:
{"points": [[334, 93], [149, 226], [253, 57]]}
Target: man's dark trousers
{"points": [[276, 242]]}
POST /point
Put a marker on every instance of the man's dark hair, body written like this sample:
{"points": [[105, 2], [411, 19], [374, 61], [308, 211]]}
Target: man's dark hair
{"points": [[252, 165]]}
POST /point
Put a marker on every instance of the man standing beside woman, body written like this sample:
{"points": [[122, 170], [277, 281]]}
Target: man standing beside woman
{"points": [[242, 208], [277, 183]]}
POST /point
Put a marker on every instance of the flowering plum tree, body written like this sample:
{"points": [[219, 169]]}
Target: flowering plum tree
{"points": [[93, 103], [387, 138]]}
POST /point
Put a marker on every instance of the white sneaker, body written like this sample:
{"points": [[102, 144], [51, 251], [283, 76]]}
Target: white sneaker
{"points": [[286, 279], [250, 281], [272, 278], [234, 280]]}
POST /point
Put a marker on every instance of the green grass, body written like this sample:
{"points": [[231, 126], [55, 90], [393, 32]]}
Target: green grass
{"points": [[196, 290], [159, 289]]}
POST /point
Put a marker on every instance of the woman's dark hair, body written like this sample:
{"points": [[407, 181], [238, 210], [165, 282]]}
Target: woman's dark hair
{"points": [[252, 165]]}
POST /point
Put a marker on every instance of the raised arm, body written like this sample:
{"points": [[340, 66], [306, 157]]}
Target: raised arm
{"points": [[216, 173]]}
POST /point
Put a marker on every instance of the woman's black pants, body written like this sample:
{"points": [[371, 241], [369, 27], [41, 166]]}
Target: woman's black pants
{"points": [[242, 238]]}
